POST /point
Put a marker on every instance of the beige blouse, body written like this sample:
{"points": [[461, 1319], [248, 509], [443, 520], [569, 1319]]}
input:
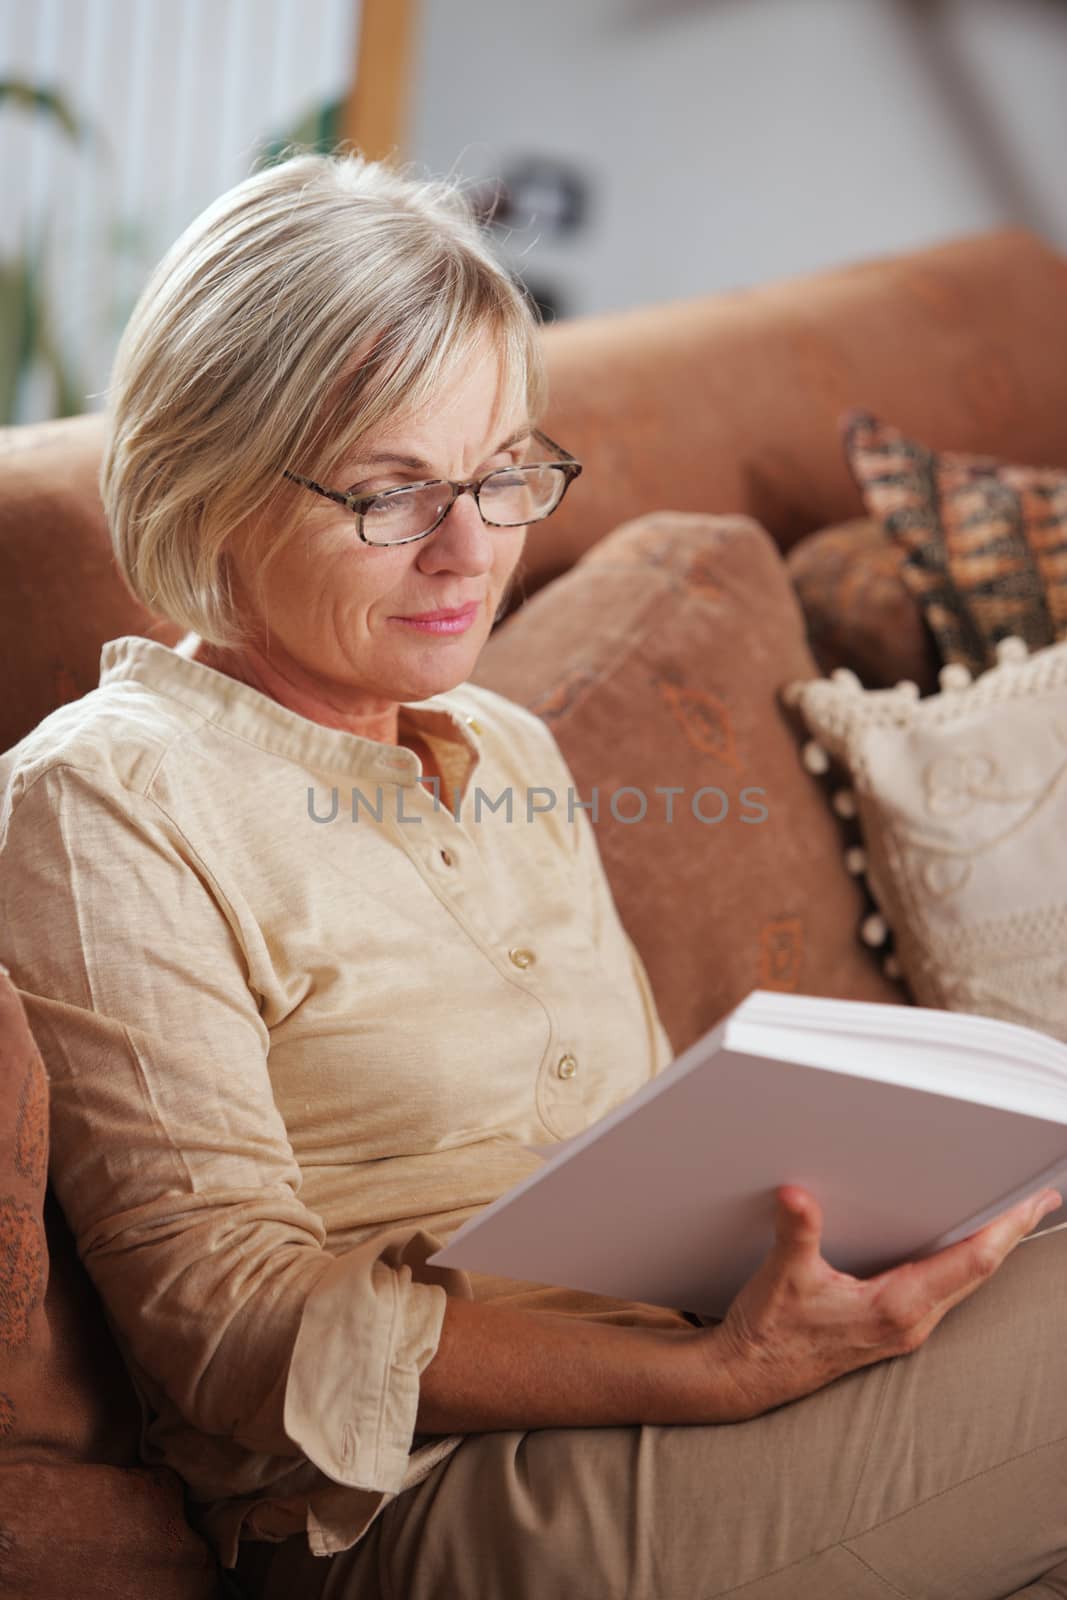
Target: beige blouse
{"points": [[301, 1019]]}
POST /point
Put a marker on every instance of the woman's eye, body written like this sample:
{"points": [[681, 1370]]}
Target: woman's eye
{"points": [[391, 501]]}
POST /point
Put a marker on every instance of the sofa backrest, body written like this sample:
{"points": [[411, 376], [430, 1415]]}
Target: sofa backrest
{"points": [[722, 404], [61, 596], [731, 403]]}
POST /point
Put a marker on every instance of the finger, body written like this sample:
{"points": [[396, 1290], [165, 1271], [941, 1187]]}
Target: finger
{"points": [[1019, 1220], [1030, 1212], [1048, 1200], [955, 1271]]}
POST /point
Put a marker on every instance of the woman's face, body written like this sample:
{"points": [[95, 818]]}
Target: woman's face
{"points": [[340, 612]]}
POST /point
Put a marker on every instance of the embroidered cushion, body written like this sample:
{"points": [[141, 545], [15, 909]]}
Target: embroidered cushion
{"points": [[961, 799]]}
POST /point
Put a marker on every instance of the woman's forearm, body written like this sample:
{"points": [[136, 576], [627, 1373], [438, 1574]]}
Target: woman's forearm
{"points": [[496, 1368]]}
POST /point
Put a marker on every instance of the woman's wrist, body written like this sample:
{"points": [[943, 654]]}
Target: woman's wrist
{"points": [[496, 1367], [730, 1386]]}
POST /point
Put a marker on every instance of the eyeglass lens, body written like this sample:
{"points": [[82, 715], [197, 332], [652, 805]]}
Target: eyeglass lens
{"points": [[509, 498]]}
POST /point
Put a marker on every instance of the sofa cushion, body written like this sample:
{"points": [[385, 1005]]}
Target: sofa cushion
{"points": [[962, 804], [79, 1513], [985, 544], [656, 662], [859, 610]]}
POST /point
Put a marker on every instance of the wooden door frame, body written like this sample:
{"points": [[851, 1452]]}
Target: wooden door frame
{"points": [[374, 120]]}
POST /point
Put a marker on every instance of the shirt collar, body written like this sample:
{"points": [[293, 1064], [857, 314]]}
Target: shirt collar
{"points": [[251, 715]]}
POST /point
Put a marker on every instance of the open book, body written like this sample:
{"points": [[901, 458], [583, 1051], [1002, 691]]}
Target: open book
{"points": [[912, 1127]]}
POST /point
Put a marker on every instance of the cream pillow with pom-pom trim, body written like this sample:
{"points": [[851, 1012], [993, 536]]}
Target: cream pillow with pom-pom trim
{"points": [[961, 803]]}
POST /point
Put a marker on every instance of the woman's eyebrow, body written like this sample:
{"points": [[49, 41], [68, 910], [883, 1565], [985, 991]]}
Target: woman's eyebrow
{"points": [[389, 457]]}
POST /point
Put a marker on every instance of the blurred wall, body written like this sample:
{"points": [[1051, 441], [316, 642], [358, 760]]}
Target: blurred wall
{"points": [[731, 141], [723, 142]]}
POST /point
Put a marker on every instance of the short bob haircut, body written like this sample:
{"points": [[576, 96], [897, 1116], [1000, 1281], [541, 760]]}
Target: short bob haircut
{"points": [[310, 305]]}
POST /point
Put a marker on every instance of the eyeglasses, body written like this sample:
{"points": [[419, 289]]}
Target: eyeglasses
{"points": [[510, 497]]}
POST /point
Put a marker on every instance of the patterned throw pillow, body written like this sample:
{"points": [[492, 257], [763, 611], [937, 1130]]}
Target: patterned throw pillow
{"points": [[985, 544], [961, 799]]}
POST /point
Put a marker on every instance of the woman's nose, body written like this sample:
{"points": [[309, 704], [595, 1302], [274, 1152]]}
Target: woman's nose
{"points": [[462, 541]]}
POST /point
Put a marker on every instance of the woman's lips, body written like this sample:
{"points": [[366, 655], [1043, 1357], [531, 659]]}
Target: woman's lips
{"points": [[442, 621]]}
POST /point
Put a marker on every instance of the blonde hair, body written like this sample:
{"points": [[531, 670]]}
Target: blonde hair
{"points": [[314, 302]]}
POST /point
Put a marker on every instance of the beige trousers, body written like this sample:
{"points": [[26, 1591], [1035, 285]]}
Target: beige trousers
{"points": [[941, 1475]]}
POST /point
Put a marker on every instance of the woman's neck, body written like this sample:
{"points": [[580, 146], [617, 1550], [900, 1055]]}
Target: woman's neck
{"points": [[259, 674], [292, 689]]}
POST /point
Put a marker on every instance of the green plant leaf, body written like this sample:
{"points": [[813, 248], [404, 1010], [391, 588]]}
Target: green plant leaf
{"points": [[318, 132], [32, 97], [29, 338]]}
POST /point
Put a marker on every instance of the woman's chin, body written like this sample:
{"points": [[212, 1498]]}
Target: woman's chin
{"points": [[435, 670]]}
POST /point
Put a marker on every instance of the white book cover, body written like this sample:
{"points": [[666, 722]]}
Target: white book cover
{"points": [[911, 1127]]}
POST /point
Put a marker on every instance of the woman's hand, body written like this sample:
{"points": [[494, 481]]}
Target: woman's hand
{"points": [[795, 1326], [798, 1324]]}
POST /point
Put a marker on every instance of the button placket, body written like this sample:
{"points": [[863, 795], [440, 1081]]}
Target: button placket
{"points": [[427, 817]]}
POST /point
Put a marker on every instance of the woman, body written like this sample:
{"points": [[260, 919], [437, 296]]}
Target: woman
{"points": [[304, 1009]]}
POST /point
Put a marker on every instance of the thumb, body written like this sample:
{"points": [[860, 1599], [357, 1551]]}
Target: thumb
{"points": [[798, 1222]]}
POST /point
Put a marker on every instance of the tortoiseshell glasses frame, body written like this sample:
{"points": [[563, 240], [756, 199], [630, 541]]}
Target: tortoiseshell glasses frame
{"points": [[563, 473]]}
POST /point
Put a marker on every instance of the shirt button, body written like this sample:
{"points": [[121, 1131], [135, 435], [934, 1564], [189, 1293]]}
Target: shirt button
{"points": [[521, 958], [448, 858], [566, 1066], [475, 727]]}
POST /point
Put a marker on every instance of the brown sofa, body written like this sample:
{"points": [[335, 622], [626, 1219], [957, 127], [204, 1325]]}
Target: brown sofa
{"points": [[708, 430]]}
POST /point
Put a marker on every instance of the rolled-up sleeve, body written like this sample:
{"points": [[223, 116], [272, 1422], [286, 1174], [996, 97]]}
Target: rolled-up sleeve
{"points": [[171, 1160]]}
